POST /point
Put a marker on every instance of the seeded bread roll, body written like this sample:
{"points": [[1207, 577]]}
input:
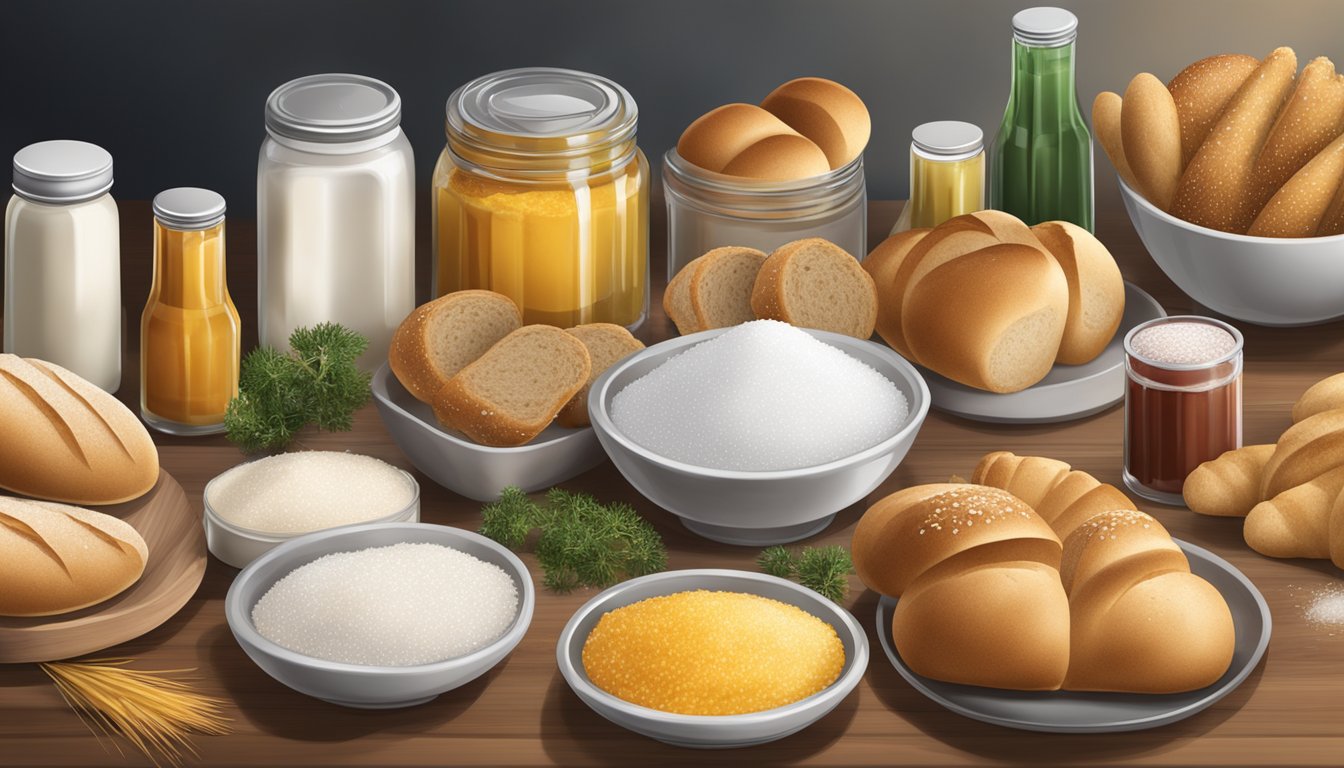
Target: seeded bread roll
{"points": [[1151, 135], [63, 439], [1228, 486], [828, 113], [607, 344], [745, 140], [814, 283], [1202, 91], [1312, 118], [1096, 290], [883, 264], [1064, 497], [1299, 207], [441, 337]]}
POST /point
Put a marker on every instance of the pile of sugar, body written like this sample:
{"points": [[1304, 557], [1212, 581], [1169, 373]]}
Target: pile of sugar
{"points": [[762, 396], [393, 606], [1182, 343], [309, 491], [1326, 609]]}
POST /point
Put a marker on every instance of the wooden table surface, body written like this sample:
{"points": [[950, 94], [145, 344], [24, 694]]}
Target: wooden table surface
{"points": [[1290, 710]]}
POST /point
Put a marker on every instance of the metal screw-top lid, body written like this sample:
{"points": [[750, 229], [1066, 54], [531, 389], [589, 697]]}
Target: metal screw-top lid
{"points": [[1045, 27], [333, 109], [62, 171], [951, 139], [189, 208]]}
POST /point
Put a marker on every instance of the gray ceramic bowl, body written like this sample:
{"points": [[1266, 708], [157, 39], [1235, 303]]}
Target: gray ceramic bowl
{"points": [[355, 685], [1262, 280], [756, 508], [712, 731], [477, 471]]}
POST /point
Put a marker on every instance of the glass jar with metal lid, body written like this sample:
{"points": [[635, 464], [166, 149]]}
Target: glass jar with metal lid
{"points": [[706, 210], [947, 173], [335, 211], [542, 194]]}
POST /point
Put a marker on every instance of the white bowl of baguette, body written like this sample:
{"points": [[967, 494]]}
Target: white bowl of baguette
{"points": [[1272, 281], [757, 508]]}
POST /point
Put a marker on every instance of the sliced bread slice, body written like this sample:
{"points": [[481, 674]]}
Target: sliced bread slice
{"points": [[443, 336], [677, 302], [721, 286], [814, 283], [607, 345], [512, 392]]}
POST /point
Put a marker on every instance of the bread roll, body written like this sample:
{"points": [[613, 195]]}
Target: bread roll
{"points": [[1311, 119], [1139, 620], [1307, 450], [1064, 497], [1325, 395], [1336, 531], [1228, 486], [814, 283], [441, 337], [67, 440], [745, 140], [1300, 206], [883, 264], [721, 286], [828, 113], [1151, 135], [1296, 522], [1202, 91], [607, 344], [1096, 290], [56, 558], [782, 157], [1106, 111]]}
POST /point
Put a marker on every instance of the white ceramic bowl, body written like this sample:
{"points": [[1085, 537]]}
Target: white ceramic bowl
{"points": [[711, 731], [473, 470], [237, 545], [756, 508], [1262, 280], [356, 685]]}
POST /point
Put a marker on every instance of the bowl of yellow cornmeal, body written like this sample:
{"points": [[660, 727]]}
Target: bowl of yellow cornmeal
{"points": [[712, 658]]}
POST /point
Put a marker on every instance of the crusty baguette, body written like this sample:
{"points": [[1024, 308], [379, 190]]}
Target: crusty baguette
{"points": [[512, 392], [63, 439], [1096, 290], [883, 264], [1106, 111], [1064, 497], [607, 344], [439, 338], [1325, 395], [828, 113], [1298, 208], [1296, 522], [1307, 450], [56, 558], [677, 302], [721, 286], [1151, 135], [1228, 486], [814, 283], [1202, 91], [1312, 118]]}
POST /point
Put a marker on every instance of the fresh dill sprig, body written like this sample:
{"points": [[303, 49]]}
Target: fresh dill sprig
{"points": [[779, 562], [824, 570]]}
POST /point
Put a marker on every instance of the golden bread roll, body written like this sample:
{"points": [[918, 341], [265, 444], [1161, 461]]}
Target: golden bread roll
{"points": [[440, 337], [1218, 188], [1139, 620], [1296, 522], [1064, 497], [56, 558], [66, 440], [828, 113], [1096, 290], [814, 283], [1300, 206], [1307, 450], [976, 571], [1151, 136], [883, 264], [1201, 92], [778, 158], [745, 140], [1228, 486], [1325, 395], [1311, 119], [1106, 111]]}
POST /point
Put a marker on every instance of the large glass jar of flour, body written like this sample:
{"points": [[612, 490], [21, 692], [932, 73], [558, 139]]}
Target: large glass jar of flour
{"points": [[63, 261], [335, 211]]}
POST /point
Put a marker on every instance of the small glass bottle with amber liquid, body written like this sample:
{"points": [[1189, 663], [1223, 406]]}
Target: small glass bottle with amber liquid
{"points": [[190, 332]]}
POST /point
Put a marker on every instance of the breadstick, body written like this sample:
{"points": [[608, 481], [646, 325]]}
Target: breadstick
{"points": [[1312, 118], [1106, 124], [1151, 132], [1201, 92]]}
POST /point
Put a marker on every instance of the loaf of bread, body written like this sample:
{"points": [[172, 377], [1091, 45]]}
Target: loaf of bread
{"points": [[746, 140], [814, 283], [1140, 621], [512, 392], [1096, 290], [828, 113], [607, 344], [977, 574], [64, 439], [883, 264], [441, 337], [714, 290], [1228, 486], [1064, 497], [56, 558]]}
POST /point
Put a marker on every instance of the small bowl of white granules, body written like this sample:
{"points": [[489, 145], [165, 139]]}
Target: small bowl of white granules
{"points": [[258, 505], [382, 615], [760, 433]]}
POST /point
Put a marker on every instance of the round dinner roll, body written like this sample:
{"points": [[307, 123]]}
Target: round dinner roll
{"points": [[828, 113], [745, 140], [1096, 290]]}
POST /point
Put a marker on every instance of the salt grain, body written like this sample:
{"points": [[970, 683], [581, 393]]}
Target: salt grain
{"points": [[1182, 343], [763, 396], [1326, 609], [393, 606]]}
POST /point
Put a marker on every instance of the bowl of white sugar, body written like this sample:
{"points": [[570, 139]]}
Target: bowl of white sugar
{"points": [[383, 615], [256, 506], [760, 433]]}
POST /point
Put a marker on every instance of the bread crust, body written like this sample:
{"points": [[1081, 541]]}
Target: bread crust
{"points": [[409, 355], [826, 112], [769, 296]]}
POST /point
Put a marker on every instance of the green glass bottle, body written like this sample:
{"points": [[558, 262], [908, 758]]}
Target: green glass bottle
{"points": [[1041, 163]]}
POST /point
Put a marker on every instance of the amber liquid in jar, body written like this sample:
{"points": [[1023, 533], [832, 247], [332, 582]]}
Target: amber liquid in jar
{"points": [[189, 334], [1182, 401]]}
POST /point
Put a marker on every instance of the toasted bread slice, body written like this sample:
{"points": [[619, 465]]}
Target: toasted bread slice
{"points": [[814, 283], [445, 335], [607, 345]]}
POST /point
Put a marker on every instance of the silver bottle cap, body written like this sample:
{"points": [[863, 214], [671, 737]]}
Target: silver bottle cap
{"points": [[62, 171], [542, 102], [333, 109], [188, 208], [1045, 27], [948, 139]]}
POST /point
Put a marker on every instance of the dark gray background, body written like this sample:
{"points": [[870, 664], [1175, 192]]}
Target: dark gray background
{"points": [[175, 88]]}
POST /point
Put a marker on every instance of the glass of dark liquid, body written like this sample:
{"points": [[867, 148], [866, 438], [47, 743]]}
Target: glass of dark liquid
{"points": [[1182, 401]]}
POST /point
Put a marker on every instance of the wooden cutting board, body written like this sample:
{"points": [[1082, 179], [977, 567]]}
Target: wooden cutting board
{"points": [[176, 542]]}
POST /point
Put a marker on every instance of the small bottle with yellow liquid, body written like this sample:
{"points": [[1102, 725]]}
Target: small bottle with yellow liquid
{"points": [[190, 332], [947, 173]]}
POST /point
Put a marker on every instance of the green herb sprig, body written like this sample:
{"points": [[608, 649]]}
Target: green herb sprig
{"points": [[316, 382], [824, 570], [578, 541]]}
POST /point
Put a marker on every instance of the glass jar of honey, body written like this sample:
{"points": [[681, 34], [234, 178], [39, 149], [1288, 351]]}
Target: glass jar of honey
{"points": [[190, 331], [947, 174], [541, 194]]}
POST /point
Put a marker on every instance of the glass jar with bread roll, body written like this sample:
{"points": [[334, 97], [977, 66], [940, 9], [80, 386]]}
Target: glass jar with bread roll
{"points": [[542, 194]]}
